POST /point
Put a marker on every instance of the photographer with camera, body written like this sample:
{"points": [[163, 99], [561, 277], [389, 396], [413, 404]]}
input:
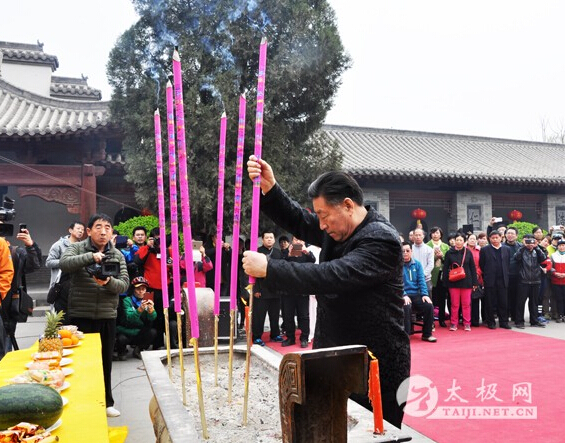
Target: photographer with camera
{"points": [[148, 258], [98, 275], [135, 320], [529, 259], [6, 276], [18, 304]]}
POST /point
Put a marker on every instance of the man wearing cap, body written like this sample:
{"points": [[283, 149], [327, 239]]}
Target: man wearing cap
{"points": [[136, 315], [494, 261], [529, 259]]}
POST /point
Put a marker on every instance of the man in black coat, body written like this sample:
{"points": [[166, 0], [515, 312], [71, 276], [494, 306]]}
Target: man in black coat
{"points": [[358, 282], [494, 261], [267, 300]]}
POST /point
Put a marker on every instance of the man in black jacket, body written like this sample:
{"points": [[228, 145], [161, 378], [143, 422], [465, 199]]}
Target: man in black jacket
{"points": [[25, 260], [529, 259], [358, 282], [494, 261], [267, 300]]}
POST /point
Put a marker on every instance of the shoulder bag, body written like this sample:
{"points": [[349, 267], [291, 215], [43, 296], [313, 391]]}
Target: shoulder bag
{"points": [[457, 272]]}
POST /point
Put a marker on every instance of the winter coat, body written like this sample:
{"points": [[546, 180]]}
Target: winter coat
{"points": [[88, 299], [414, 279], [456, 256], [558, 265], [55, 254], [487, 263], [529, 265], [131, 321], [265, 290], [358, 284]]}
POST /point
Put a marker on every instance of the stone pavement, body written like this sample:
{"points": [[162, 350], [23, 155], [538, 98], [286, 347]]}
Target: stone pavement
{"points": [[131, 388]]}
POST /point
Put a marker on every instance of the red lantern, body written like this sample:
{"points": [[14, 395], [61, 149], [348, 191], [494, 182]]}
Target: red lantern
{"points": [[419, 214], [146, 211], [515, 215]]}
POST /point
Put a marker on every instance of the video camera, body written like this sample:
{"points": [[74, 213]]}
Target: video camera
{"points": [[7, 213], [107, 268]]}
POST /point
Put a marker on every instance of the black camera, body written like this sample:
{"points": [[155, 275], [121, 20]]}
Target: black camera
{"points": [[7, 211], [529, 241], [121, 242], [107, 268]]}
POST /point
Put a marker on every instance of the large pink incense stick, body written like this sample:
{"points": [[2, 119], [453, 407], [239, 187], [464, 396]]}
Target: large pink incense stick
{"points": [[161, 203], [184, 196], [220, 214], [237, 203], [258, 146], [173, 198]]}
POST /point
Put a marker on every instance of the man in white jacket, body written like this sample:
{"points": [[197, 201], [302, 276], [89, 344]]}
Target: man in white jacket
{"points": [[76, 232]]}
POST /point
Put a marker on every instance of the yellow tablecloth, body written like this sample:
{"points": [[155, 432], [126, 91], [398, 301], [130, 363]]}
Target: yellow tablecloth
{"points": [[84, 417]]}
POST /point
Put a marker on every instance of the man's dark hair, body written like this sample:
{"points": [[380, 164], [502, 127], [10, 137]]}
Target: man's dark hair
{"points": [[73, 224], [139, 228], [335, 186], [407, 243], [529, 236], [283, 238], [155, 232], [536, 228], [513, 229], [267, 231], [98, 216]]}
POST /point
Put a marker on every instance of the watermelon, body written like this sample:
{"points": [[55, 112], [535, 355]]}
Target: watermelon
{"points": [[29, 402]]}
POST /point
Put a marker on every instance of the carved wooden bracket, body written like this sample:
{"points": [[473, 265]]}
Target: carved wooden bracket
{"points": [[70, 197], [313, 391]]}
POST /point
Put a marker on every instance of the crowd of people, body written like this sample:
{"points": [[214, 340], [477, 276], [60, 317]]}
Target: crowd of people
{"points": [[343, 266], [498, 276]]}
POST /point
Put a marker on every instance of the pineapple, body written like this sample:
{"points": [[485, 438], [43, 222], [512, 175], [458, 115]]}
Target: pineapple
{"points": [[51, 340]]}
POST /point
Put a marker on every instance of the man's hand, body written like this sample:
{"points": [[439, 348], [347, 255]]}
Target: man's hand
{"points": [[407, 300], [256, 168], [102, 282], [98, 257], [255, 264], [24, 236], [426, 299]]}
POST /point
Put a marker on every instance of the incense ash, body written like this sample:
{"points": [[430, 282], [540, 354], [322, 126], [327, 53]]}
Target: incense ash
{"points": [[223, 419]]}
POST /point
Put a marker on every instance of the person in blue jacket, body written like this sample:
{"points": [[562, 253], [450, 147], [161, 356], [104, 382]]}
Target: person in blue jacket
{"points": [[416, 294]]}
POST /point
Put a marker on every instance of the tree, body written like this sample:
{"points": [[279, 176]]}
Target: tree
{"points": [[218, 41]]}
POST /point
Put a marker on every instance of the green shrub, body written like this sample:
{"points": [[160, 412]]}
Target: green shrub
{"points": [[147, 221], [524, 228]]}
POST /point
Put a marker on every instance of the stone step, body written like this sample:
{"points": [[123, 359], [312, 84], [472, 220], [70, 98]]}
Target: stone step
{"points": [[39, 311]]}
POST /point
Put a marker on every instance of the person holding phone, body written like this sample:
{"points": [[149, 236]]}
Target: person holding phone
{"points": [[136, 315]]}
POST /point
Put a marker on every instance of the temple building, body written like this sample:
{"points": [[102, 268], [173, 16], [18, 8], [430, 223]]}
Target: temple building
{"points": [[60, 157], [456, 180]]}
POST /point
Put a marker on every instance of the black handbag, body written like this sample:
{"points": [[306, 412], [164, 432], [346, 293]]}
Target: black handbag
{"points": [[477, 293], [60, 289]]}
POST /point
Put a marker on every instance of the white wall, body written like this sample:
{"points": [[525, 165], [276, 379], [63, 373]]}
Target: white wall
{"points": [[31, 78]]}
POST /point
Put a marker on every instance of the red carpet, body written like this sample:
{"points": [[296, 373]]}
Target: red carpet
{"points": [[278, 347], [503, 358]]}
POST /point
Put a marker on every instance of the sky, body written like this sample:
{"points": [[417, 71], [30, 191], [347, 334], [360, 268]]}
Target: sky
{"points": [[485, 68]]}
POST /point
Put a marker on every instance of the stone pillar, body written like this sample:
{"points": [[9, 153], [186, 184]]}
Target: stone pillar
{"points": [[88, 193], [378, 199], [472, 208], [205, 302], [554, 211]]}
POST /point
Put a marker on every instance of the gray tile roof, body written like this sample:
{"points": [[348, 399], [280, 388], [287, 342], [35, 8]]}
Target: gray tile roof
{"points": [[27, 53], [25, 114], [394, 155], [73, 88]]}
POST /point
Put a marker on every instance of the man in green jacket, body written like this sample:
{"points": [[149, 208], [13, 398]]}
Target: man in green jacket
{"points": [[94, 296]]}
